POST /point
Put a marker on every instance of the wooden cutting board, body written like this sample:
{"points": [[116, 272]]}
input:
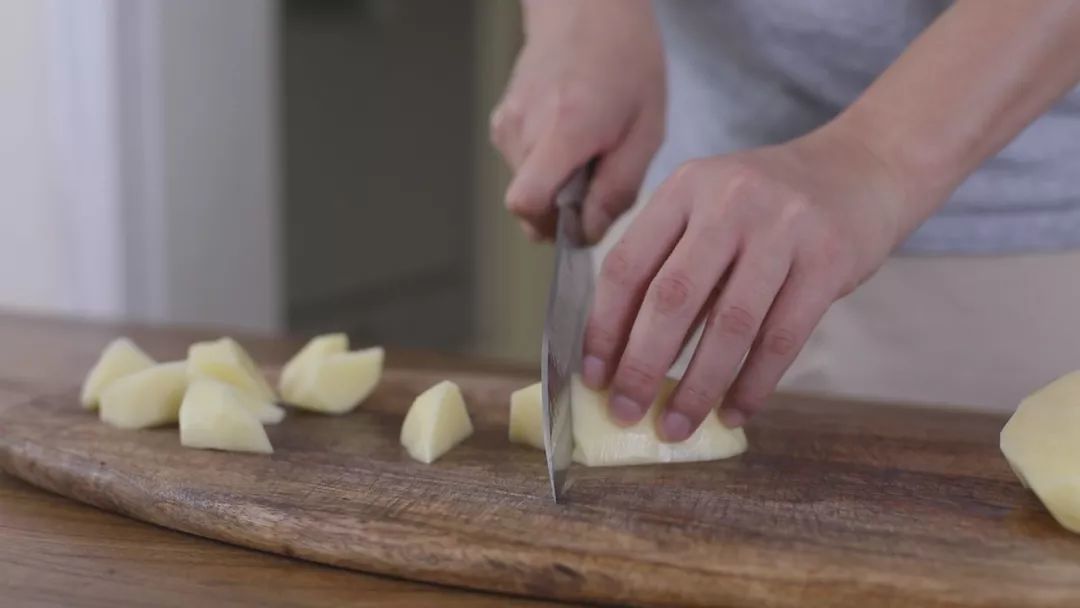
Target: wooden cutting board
{"points": [[835, 504]]}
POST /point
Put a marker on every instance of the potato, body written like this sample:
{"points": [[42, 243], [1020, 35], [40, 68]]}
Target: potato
{"points": [[227, 361], [337, 383], [146, 398], [1041, 442], [526, 416], [120, 358], [436, 422], [598, 441], [213, 416], [301, 364]]}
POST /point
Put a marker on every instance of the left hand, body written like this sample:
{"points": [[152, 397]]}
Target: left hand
{"points": [[759, 243]]}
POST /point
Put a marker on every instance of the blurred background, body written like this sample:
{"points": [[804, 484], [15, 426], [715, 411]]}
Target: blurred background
{"points": [[289, 165]]}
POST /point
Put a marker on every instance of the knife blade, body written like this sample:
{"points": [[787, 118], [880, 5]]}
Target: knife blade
{"points": [[568, 306]]}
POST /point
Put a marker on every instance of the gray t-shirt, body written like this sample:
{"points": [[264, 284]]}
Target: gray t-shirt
{"points": [[745, 73]]}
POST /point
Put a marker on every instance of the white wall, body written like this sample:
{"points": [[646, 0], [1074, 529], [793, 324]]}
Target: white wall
{"points": [[203, 206], [138, 160], [33, 257]]}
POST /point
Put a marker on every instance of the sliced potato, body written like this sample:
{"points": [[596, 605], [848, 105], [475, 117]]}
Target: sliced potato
{"points": [[227, 361], [339, 382], [146, 398], [317, 349], [120, 358], [437, 421], [526, 416], [598, 441], [213, 416], [1041, 442]]}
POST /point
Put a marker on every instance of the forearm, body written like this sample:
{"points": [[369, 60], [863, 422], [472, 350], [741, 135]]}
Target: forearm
{"points": [[965, 88]]}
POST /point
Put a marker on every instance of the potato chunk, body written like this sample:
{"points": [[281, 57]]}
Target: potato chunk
{"points": [[436, 422], [526, 416], [213, 416], [1041, 442], [339, 382], [227, 361], [599, 442], [120, 358], [302, 363], [146, 398]]}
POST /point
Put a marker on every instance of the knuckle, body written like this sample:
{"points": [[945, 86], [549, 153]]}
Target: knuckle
{"points": [[636, 378], [601, 340], [619, 270], [505, 121], [694, 399], [780, 341], [672, 292], [736, 320], [742, 180]]}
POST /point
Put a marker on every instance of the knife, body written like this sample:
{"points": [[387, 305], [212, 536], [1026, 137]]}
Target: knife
{"points": [[567, 311]]}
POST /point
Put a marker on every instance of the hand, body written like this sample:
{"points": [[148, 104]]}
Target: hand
{"points": [[759, 243], [589, 83]]}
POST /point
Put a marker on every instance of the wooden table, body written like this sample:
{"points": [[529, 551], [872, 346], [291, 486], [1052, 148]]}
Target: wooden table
{"points": [[56, 552]]}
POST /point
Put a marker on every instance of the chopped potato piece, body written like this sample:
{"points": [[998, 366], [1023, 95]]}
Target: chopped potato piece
{"points": [[339, 382], [1041, 441], [227, 361], [598, 441], [120, 358], [436, 422], [213, 416], [526, 416], [301, 364], [146, 398]]}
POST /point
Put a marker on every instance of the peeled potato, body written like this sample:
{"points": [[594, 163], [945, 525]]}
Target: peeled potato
{"points": [[120, 358], [337, 383], [599, 442], [526, 416], [146, 398], [301, 364], [266, 412], [227, 361], [1041, 441], [436, 422], [213, 416]]}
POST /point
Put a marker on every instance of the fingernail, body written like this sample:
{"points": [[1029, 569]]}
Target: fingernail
{"points": [[675, 426], [593, 372], [625, 409], [732, 418]]}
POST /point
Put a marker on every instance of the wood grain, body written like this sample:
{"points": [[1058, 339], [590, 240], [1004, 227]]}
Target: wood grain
{"points": [[58, 553], [835, 504], [87, 557]]}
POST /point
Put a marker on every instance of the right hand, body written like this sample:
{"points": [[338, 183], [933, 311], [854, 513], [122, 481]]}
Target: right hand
{"points": [[589, 83]]}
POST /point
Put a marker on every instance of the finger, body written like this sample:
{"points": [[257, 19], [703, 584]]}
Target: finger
{"points": [[800, 305], [625, 274], [757, 277], [618, 178], [505, 131], [531, 195], [672, 302]]}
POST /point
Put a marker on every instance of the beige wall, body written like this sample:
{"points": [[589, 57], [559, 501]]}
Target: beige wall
{"points": [[513, 274]]}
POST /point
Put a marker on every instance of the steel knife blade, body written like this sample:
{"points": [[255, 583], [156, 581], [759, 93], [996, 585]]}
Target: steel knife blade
{"points": [[568, 307]]}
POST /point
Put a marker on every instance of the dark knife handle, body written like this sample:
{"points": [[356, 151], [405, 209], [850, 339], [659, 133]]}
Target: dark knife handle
{"points": [[572, 194]]}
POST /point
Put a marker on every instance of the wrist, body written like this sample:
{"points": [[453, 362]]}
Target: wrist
{"points": [[917, 180]]}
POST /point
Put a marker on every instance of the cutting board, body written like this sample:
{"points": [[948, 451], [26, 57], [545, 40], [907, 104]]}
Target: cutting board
{"points": [[835, 504]]}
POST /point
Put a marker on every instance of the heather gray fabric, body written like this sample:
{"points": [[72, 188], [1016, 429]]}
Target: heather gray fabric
{"points": [[745, 73]]}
